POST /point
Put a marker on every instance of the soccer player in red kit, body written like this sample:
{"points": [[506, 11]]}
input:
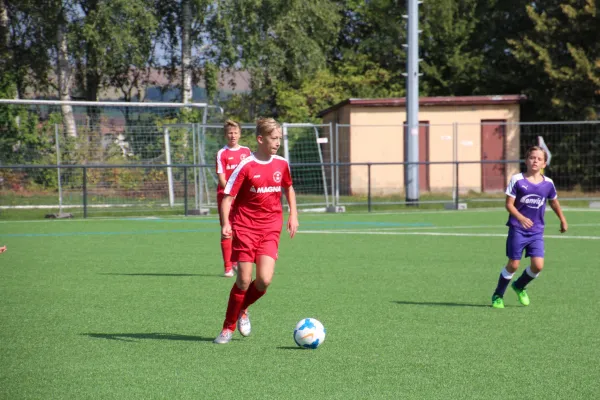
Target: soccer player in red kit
{"points": [[256, 222], [228, 158]]}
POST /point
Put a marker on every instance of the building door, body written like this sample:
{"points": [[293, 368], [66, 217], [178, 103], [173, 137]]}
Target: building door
{"points": [[423, 154], [493, 147]]}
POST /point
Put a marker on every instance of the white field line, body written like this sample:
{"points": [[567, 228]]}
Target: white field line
{"points": [[408, 228], [503, 235], [467, 211], [68, 206]]}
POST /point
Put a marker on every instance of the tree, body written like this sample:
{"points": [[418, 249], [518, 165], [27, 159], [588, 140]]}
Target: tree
{"points": [[186, 51], [450, 66], [564, 51], [276, 41], [356, 76], [498, 22], [64, 74], [372, 33], [111, 39], [27, 58], [187, 30]]}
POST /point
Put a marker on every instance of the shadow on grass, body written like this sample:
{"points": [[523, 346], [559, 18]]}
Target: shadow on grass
{"points": [[443, 304], [290, 348], [157, 274], [134, 337]]}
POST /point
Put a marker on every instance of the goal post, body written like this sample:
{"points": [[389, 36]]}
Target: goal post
{"points": [[308, 148], [104, 133]]}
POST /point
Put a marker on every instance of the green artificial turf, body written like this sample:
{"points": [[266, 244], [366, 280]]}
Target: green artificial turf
{"points": [[128, 309]]}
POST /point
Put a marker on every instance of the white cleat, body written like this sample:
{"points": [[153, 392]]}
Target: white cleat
{"points": [[228, 274], [224, 337], [243, 323]]}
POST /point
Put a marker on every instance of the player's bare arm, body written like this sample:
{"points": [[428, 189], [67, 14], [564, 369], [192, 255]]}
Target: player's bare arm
{"points": [[555, 205], [523, 220], [225, 209], [222, 180], [293, 224], [2, 249]]}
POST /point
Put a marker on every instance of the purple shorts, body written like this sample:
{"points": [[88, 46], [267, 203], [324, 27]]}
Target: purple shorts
{"points": [[517, 241]]}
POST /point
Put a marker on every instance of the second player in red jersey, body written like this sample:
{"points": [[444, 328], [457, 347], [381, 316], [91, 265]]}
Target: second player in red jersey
{"points": [[228, 158]]}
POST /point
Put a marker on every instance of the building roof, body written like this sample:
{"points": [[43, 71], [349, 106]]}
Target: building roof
{"points": [[430, 101]]}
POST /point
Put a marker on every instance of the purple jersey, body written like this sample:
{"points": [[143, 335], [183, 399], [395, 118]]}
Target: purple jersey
{"points": [[530, 200]]}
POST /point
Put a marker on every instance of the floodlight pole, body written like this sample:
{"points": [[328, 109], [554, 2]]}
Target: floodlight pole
{"points": [[412, 104]]}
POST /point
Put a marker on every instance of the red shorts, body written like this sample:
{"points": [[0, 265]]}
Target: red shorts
{"points": [[220, 197], [248, 245]]}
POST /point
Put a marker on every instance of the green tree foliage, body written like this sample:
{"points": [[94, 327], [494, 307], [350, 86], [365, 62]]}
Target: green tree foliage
{"points": [[303, 56], [277, 42], [564, 51], [359, 78], [450, 66], [370, 43], [111, 40], [26, 56], [498, 22]]}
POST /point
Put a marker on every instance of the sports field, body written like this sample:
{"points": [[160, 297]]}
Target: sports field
{"points": [[128, 309]]}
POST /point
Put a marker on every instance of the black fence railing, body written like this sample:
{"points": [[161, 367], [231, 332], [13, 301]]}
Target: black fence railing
{"points": [[142, 188]]}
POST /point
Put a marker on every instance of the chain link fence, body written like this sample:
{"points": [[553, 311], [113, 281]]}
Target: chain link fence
{"points": [[124, 158]]}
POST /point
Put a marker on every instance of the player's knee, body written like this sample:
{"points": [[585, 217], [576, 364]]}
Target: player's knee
{"points": [[243, 280], [537, 264], [512, 266], [243, 283], [536, 268], [262, 284]]}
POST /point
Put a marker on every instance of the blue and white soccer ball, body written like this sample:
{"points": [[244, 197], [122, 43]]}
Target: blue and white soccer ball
{"points": [[309, 333]]}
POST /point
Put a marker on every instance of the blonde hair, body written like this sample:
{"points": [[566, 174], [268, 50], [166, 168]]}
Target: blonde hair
{"points": [[265, 126], [536, 148], [231, 123]]}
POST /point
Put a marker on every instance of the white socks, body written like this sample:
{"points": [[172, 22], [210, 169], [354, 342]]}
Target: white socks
{"points": [[506, 274], [530, 272]]}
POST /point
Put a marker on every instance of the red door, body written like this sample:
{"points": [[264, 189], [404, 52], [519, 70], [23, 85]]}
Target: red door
{"points": [[423, 154], [493, 143]]}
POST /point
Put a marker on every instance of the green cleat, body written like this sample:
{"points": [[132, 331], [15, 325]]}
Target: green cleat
{"points": [[521, 294], [497, 301]]}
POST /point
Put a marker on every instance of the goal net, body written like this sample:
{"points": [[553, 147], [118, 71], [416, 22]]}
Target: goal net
{"points": [[309, 151], [124, 147]]}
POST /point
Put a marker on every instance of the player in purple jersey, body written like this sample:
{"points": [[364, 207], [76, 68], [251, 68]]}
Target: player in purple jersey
{"points": [[526, 196]]}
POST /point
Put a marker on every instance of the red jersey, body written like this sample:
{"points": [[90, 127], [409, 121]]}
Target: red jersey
{"points": [[257, 186], [228, 159]]}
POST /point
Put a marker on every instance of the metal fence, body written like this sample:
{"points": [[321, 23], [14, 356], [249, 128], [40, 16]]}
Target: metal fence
{"points": [[102, 190], [144, 153]]}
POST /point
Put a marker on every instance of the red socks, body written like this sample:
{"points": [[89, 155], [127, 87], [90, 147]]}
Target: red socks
{"points": [[240, 300], [236, 298], [226, 250], [252, 294]]}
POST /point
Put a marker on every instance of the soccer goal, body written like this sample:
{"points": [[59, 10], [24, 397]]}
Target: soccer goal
{"points": [[122, 150], [308, 147]]}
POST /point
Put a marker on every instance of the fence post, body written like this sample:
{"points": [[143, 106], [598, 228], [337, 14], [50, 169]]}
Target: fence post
{"points": [[457, 186], [331, 159], [455, 159], [369, 186], [185, 191], [167, 139], [57, 146], [337, 161], [84, 192]]}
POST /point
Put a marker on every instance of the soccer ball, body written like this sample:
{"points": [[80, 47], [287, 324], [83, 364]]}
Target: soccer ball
{"points": [[309, 333]]}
